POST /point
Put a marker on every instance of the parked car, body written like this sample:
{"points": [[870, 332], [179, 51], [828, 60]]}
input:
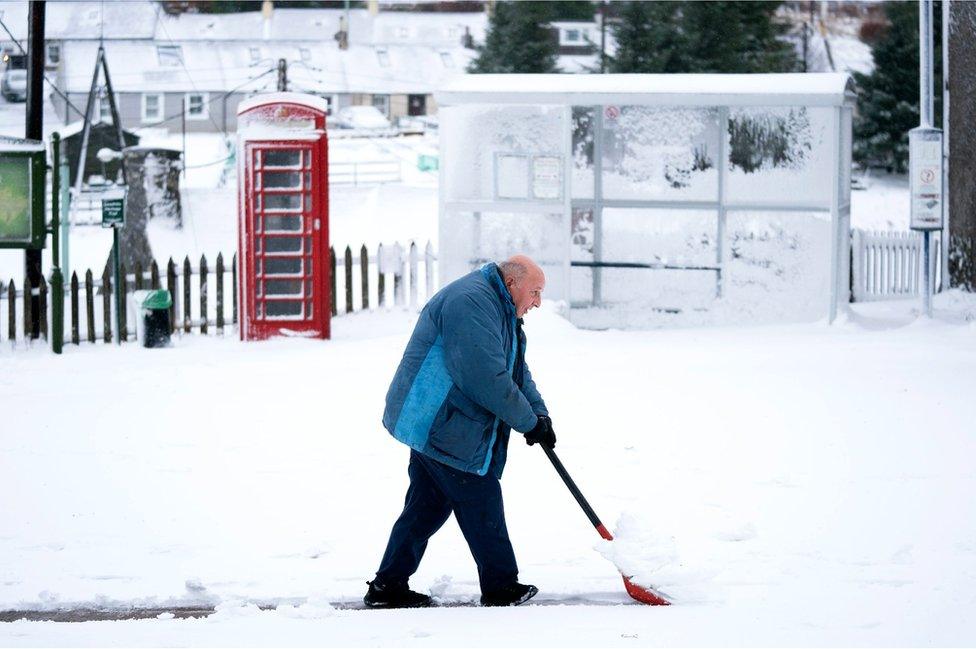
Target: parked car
{"points": [[13, 85], [363, 118]]}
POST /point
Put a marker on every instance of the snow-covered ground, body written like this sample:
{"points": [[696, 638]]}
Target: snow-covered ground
{"points": [[787, 485]]}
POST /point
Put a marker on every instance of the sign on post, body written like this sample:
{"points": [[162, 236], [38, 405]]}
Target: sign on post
{"points": [[925, 169], [113, 210], [22, 181]]}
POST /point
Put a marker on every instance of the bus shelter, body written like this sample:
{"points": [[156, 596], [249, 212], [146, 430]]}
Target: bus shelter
{"points": [[668, 193]]}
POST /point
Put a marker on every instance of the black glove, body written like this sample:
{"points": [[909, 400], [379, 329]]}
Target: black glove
{"points": [[542, 433]]}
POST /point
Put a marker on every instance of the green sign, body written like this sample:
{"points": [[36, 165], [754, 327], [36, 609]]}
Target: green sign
{"points": [[113, 212], [15, 199]]}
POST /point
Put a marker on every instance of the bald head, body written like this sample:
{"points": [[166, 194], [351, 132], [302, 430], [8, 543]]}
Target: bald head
{"points": [[525, 281]]}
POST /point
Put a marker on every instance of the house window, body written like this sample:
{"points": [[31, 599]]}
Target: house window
{"points": [[255, 53], [169, 56], [152, 107], [447, 60], [383, 57], [197, 106], [53, 53], [382, 104], [572, 36]]}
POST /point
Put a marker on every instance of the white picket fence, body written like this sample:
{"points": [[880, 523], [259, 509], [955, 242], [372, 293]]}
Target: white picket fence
{"points": [[888, 265]]}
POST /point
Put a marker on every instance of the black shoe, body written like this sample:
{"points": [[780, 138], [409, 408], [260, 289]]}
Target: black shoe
{"points": [[510, 595], [382, 595]]}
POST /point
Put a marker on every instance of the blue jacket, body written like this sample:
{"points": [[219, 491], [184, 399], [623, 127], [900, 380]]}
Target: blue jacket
{"points": [[462, 382]]}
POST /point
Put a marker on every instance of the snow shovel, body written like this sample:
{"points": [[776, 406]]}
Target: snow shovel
{"points": [[640, 593]]}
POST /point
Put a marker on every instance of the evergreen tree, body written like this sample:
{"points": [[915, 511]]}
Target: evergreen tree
{"points": [[736, 37], [649, 39], [689, 36], [519, 39], [888, 101]]}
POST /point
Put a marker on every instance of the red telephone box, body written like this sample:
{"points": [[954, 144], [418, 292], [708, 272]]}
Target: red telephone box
{"points": [[283, 205]]}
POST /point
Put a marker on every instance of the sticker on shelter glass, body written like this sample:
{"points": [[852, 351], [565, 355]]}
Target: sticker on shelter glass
{"points": [[546, 177], [512, 176]]}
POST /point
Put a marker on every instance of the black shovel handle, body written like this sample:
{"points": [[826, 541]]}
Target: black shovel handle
{"points": [[577, 494]]}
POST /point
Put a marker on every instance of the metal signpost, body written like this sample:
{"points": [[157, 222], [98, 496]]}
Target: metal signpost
{"points": [[113, 216], [925, 158]]}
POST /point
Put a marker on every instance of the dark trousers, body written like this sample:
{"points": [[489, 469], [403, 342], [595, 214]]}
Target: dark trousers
{"points": [[435, 491]]}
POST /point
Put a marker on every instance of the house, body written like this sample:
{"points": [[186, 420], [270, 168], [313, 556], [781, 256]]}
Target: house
{"points": [[204, 65]]}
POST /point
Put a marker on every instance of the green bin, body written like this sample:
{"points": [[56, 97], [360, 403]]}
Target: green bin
{"points": [[155, 318]]}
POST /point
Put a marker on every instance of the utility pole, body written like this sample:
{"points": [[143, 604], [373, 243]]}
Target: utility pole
{"points": [[282, 75], [35, 131], [603, 37]]}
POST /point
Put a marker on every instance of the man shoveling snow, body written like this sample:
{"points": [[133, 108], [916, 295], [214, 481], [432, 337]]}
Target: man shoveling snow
{"points": [[460, 389]]}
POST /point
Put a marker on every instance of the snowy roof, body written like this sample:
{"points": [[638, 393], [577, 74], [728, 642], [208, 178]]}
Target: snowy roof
{"points": [[8, 143], [317, 103], [821, 89], [84, 20], [312, 67]]}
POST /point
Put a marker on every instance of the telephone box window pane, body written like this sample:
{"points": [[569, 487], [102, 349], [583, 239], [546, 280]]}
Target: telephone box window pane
{"points": [[308, 244], [258, 266], [308, 288], [259, 308], [257, 244], [308, 310], [290, 180], [283, 223], [308, 159], [283, 202], [308, 180], [257, 203], [282, 158], [283, 244], [283, 287], [283, 266], [282, 308], [308, 202]]}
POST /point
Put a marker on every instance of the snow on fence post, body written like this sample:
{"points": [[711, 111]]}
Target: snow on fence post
{"points": [[233, 287], [28, 322], [398, 274], [413, 275], [332, 274], [90, 305], [12, 312], [187, 306], [429, 269], [42, 307], [203, 294], [75, 335], [347, 272], [123, 317], [107, 305], [380, 278], [171, 287], [364, 276], [220, 293]]}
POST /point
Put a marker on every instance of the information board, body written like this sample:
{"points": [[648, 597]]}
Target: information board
{"points": [[925, 169]]}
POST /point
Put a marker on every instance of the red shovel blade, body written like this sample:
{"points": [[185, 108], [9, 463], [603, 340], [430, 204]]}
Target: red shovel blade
{"points": [[644, 595], [641, 594]]}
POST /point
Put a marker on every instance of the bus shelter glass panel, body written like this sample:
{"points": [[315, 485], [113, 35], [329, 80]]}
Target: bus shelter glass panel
{"points": [[660, 153], [540, 236], [503, 152], [780, 155], [778, 265], [584, 125]]}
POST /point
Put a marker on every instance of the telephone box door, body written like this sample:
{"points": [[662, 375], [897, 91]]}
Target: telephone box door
{"points": [[286, 232]]}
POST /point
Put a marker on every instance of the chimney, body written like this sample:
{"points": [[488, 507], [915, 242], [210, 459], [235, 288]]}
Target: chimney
{"points": [[267, 8], [342, 36], [373, 6]]}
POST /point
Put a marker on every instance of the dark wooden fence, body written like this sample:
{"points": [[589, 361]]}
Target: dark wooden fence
{"points": [[388, 278]]}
